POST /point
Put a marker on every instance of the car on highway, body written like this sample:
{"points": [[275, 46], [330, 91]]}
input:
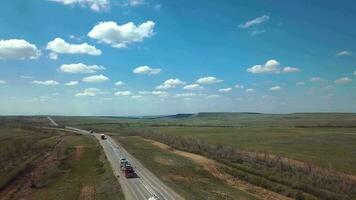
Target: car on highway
{"points": [[102, 136], [153, 198]]}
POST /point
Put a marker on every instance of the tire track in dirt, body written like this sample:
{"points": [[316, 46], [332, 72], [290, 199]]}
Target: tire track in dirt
{"points": [[213, 167]]}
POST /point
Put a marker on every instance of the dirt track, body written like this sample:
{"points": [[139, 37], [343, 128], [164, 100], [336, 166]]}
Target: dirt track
{"points": [[213, 167]]}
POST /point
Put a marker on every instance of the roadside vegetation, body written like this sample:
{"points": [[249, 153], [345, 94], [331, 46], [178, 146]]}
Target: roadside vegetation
{"points": [[42, 163], [181, 174], [303, 156]]}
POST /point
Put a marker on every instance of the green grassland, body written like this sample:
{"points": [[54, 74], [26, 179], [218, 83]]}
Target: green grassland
{"points": [[24, 147], [324, 139], [185, 177], [90, 174]]}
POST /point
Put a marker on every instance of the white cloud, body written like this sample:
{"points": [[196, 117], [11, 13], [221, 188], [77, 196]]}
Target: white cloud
{"points": [[48, 82], [89, 92], [290, 69], [257, 32], [144, 92], [146, 70], [316, 79], [160, 93], [208, 80], [344, 53], [225, 89], [170, 83], [95, 79], [213, 96], [254, 22], [271, 67], [132, 3], [53, 56], [119, 36], [136, 96], [26, 77], [300, 83], [239, 86], [71, 83], [250, 90], [80, 68], [123, 93], [95, 5], [2, 82], [59, 46], [275, 88], [119, 83], [185, 95], [192, 87], [18, 49], [354, 73], [343, 80]]}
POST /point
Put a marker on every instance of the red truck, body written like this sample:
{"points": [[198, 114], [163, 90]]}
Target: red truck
{"points": [[126, 168]]}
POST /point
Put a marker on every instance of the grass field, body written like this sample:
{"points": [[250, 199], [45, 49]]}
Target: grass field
{"points": [[186, 178], [325, 139], [50, 164], [320, 146], [83, 174]]}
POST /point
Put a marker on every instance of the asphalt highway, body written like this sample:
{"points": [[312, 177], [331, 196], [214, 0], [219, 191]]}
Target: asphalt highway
{"points": [[146, 185]]}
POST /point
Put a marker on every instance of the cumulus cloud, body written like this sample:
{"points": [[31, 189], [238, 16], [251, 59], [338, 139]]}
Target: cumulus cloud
{"points": [[193, 87], [271, 67], [95, 5], [225, 89], [160, 93], [18, 49], [59, 46], [213, 96], [239, 86], [47, 83], [146, 70], [208, 80], [316, 79], [170, 83], [254, 22], [123, 93], [26, 77], [354, 73], [344, 53], [119, 36], [2, 82], [72, 83], [300, 83], [89, 92], [250, 90], [95, 79], [136, 96], [290, 69], [343, 80], [132, 3], [275, 88], [185, 95], [119, 83], [80, 68]]}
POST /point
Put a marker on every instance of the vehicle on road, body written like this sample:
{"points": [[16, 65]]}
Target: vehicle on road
{"points": [[91, 131], [153, 198], [102, 136], [128, 170]]}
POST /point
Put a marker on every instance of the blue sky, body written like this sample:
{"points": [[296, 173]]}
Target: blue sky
{"points": [[147, 57]]}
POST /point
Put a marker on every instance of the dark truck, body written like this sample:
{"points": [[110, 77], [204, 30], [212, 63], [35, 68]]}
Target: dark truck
{"points": [[102, 136]]}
